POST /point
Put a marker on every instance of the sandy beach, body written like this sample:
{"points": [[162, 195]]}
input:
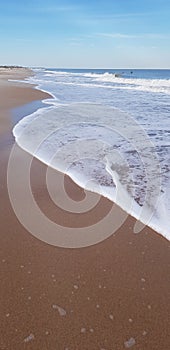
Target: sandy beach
{"points": [[110, 296]]}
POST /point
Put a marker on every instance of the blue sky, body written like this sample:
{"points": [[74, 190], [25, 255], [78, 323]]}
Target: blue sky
{"points": [[85, 34]]}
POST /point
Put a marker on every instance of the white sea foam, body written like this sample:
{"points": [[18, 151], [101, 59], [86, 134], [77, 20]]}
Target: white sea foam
{"points": [[114, 162], [155, 85], [90, 141], [118, 82]]}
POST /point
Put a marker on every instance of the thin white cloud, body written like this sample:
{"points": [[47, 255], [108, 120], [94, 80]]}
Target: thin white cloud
{"points": [[123, 15], [53, 9], [117, 35], [95, 17], [134, 36]]}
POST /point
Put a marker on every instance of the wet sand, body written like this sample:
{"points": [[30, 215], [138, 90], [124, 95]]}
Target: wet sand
{"points": [[112, 295]]}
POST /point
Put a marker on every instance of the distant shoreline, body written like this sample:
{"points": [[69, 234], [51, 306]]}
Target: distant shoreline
{"points": [[11, 67]]}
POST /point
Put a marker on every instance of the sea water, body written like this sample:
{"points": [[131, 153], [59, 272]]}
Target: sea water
{"points": [[109, 130]]}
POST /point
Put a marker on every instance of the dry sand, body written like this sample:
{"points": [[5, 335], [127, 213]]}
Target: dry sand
{"points": [[110, 296]]}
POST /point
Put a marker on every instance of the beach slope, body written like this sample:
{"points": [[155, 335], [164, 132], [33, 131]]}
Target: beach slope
{"points": [[113, 295]]}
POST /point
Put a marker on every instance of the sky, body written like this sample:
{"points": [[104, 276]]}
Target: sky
{"points": [[85, 34]]}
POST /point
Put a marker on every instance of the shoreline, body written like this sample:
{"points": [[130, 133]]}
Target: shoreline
{"points": [[111, 292], [134, 213]]}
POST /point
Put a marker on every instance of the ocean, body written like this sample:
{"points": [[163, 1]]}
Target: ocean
{"points": [[109, 130]]}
